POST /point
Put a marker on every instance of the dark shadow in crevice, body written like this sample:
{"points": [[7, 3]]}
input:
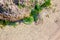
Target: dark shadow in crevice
{"points": [[1, 9], [16, 2]]}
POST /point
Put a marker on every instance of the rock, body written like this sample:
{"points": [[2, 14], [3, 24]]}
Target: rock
{"points": [[10, 11]]}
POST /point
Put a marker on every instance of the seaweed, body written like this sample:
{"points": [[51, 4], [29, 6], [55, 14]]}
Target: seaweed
{"points": [[34, 14], [28, 20], [46, 3], [38, 8], [6, 22]]}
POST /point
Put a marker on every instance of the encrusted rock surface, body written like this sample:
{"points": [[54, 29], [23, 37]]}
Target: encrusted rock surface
{"points": [[10, 11]]}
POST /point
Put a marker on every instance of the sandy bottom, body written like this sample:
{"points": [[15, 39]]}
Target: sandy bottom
{"points": [[48, 30]]}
